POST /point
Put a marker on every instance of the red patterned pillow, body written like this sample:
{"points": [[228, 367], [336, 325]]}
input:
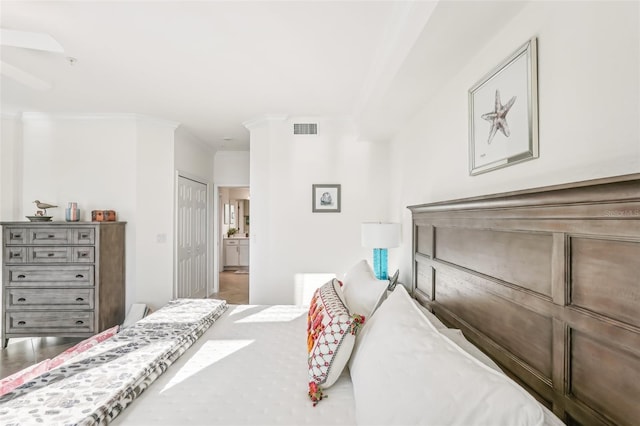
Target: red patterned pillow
{"points": [[331, 331]]}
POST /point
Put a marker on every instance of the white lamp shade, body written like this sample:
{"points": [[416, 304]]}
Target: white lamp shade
{"points": [[380, 235]]}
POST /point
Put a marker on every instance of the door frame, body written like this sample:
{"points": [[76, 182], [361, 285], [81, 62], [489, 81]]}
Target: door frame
{"points": [[217, 235], [209, 285]]}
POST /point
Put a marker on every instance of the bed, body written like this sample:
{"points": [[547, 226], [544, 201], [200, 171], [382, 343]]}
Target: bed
{"points": [[519, 275], [547, 282]]}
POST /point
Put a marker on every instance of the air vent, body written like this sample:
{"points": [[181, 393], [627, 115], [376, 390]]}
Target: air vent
{"points": [[305, 128]]}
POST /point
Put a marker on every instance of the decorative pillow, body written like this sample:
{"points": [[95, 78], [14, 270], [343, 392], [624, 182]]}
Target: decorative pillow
{"points": [[331, 331], [400, 352], [363, 292]]}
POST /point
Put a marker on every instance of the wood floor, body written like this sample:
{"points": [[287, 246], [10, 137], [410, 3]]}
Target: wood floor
{"points": [[234, 288], [21, 353]]}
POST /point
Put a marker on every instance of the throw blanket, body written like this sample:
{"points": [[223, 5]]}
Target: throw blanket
{"points": [[95, 387]]}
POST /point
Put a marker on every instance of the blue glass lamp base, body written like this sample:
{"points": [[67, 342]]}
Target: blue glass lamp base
{"points": [[380, 263]]}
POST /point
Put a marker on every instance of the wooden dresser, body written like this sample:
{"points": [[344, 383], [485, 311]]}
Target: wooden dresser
{"points": [[62, 278]]}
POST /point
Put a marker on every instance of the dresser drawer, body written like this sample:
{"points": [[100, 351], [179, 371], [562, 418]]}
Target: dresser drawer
{"points": [[82, 254], [49, 298], [231, 242], [84, 236], [49, 321], [15, 255], [15, 236], [49, 254], [40, 276], [51, 235]]}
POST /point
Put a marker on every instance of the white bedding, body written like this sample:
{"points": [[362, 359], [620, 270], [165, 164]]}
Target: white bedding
{"points": [[250, 368]]}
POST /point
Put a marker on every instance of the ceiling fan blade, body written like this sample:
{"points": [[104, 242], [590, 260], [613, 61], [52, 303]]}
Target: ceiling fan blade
{"points": [[23, 77], [30, 40]]}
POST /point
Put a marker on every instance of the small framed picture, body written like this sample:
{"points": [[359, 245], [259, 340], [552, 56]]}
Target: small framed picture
{"points": [[326, 198]]}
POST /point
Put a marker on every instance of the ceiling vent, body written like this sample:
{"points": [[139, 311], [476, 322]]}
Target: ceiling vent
{"points": [[305, 128]]}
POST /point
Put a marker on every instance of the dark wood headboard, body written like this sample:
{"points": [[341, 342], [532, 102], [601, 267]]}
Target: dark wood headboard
{"points": [[547, 282]]}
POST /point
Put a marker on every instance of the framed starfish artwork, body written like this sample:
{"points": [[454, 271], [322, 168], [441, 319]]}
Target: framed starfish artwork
{"points": [[503, 113]]}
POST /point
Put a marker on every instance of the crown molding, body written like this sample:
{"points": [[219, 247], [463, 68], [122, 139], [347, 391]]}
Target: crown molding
{"points": [[263, 119], [10, 115], [60, 116], [33, 116], [156, 120]]}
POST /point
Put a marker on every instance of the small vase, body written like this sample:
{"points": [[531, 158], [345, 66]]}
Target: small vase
{"points": [[72, 213]]}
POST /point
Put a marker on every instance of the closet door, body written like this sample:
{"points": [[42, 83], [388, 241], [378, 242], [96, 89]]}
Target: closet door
{"points": [[192, 238]]}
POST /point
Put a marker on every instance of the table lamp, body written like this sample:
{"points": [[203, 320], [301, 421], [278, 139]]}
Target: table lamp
{"points": [[380, 236]]}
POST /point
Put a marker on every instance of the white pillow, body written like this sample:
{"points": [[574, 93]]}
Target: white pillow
{"points": [[405, 372], [363, 292], [430, 316], [457, 337]]}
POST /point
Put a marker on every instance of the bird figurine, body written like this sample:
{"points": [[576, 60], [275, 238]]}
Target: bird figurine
{"points": [[44, 206]]}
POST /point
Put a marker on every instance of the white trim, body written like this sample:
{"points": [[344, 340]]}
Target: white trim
{"points": [[196, 139], [404, 27], [263, 119], [11, 115], [98, 116]]}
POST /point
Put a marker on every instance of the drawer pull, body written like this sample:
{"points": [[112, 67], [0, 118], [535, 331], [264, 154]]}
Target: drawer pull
{"points": [[17, 236], [79, 276], [22, 276], [84, 254], [79, 299], [50, 254], [50, 236], [22, 299], [14, 255], [84, 236], [79, 322], [21, 322]]}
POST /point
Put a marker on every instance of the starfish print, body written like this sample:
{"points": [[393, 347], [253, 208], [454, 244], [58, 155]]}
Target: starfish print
{"points": [[498, 117]]}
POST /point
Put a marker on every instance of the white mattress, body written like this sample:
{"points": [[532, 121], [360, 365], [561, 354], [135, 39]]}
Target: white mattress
{"points": [[249, 368]]}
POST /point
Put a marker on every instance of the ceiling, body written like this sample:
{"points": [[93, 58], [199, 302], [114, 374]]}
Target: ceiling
{"points": [[212, 65]]}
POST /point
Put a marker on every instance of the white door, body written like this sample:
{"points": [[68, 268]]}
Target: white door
{"points": [[192, 238]]}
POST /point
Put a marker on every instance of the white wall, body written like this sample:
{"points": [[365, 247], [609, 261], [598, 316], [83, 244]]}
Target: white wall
{"points": [[121, 162], [192, 155], [589, 95], [194, 159], [90, 160], [231, 168], [287, 239], [10, 167], [154, 216]]}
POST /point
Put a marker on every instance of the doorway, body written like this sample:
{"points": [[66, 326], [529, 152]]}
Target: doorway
{"points": [[234, 232]]}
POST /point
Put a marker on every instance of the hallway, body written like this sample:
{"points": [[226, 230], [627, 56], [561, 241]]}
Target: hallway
{"points": [[234, 288]]}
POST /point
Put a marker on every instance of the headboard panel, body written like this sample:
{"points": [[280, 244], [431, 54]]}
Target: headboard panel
{"points": [[547, 282]]}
